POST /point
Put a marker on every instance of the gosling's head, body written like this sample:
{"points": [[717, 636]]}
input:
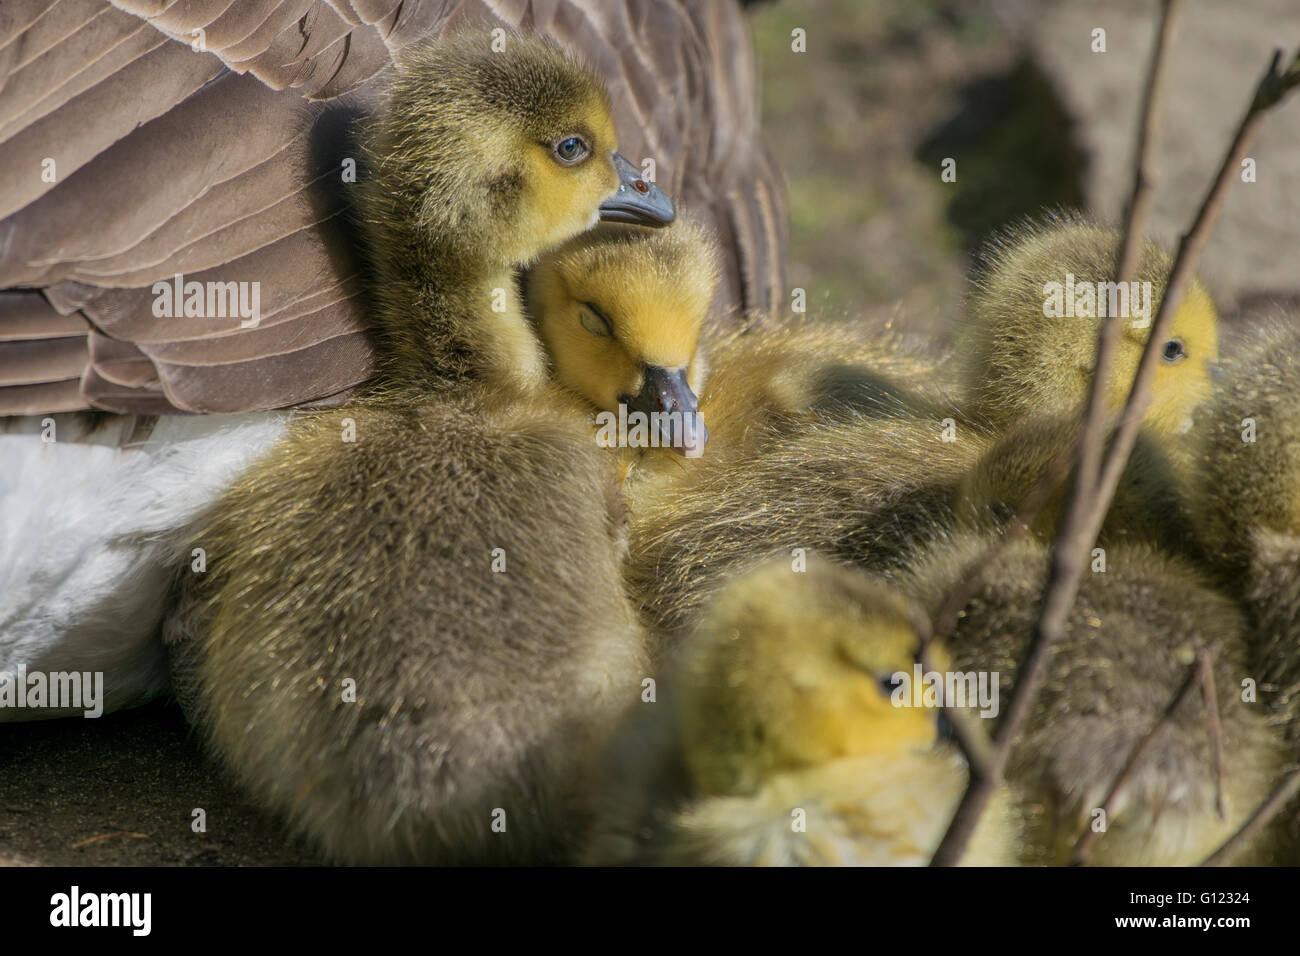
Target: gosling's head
{"points": [[1031, 335], [792, 670], [620, 311], [500, 154]]}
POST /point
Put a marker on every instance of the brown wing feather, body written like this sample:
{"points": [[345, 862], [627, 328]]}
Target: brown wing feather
{"points": [[224, 164]]}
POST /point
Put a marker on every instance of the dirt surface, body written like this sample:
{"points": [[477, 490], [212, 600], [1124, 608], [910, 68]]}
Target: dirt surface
{"points": [[860, 123], [869, 230], [122, 790]]}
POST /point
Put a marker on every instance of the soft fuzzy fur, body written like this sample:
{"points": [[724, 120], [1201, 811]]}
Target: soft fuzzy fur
{"points": [[372, 560], [1128, 643], [654, 287], [1245, 507], [1148, 504], [778, 377], [779, 707], [1243, 487], [1019, 361], [461, 188], [859, 486]]}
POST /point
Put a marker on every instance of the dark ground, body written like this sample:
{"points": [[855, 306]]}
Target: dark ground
{"points": [[121, 790]]}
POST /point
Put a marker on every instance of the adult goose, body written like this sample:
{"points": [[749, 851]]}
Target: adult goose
{"points": [[215, 142], [148, 139]]}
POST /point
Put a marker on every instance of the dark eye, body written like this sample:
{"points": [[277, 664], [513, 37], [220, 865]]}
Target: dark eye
{"points": [[572, 150], [1174, 351], [889, 684], [945, 729], [595, 321]]}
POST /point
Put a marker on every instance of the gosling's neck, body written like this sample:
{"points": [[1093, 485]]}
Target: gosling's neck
{"points": [[448, 319]]}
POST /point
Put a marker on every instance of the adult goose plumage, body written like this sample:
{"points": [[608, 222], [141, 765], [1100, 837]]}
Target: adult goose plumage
{"points": [[149, 139]]}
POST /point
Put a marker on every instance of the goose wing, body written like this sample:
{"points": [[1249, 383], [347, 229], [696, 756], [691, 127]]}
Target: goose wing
{"points": [[148, 139]]}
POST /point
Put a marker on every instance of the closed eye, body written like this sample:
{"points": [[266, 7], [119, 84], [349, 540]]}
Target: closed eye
{"points": [[595, 321]]}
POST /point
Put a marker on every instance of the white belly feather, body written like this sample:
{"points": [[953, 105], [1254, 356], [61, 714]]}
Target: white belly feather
{"points": [[91, 535]]}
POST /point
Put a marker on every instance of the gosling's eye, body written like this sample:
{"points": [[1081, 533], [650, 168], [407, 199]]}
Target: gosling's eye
{"points": [[572, 150], [595, 322], [1174, 351], [889, 684]]}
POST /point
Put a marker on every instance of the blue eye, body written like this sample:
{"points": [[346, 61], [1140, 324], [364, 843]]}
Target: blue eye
{"points": [[571, 150]]}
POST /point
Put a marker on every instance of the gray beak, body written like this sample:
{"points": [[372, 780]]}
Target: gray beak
{"points": [[664, 392], [637, 201]]}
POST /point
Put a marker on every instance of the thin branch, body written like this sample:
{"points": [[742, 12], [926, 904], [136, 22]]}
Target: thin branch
{"points": [[116, 831], [1069, 551], [1083, 847], [945, 619], [971, 740], [1270, 808], [1273, 86], [1211, 696], [1086, 511], [1093, 438]]}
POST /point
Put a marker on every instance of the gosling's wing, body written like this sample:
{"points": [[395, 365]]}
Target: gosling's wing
{"points": [[149, 138]]}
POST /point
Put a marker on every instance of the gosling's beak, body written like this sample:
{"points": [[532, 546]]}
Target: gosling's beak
{"points": [[637, 201], [665, 391]]}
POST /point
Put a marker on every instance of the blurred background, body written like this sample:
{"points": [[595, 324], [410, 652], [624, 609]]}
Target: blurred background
{"points": [[860, 123], [1012, 90]]}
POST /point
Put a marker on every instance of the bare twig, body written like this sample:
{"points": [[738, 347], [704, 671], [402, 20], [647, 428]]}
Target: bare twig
{"points": [[1083, 847], [1087, 507], [1273, 86], [945, 619], [1092, 440], [1072, 542], [1270, 91], [1211, 696], [112, 833], [1270, 808], [971, 740]]}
